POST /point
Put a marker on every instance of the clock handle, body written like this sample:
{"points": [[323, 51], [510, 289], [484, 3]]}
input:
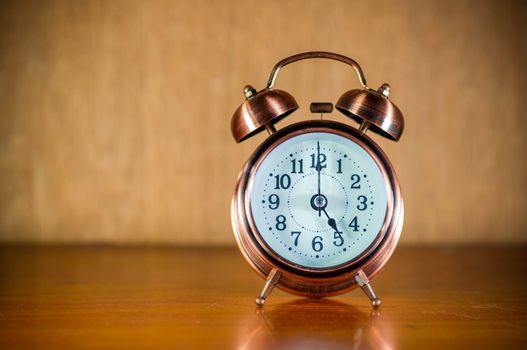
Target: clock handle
{"points": [[316, 54]]}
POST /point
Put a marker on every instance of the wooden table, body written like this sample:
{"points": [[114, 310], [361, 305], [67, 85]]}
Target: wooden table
{"points": [[157, 297]]}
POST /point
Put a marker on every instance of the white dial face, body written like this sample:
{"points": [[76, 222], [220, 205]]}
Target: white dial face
{"points": [[318, 200]]}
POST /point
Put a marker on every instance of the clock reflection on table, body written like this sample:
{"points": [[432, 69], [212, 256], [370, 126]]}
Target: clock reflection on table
{"points": [[315, 324]]}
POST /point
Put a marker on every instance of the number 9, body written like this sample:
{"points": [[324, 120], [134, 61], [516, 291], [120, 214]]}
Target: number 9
{"points": [[274, 200]]}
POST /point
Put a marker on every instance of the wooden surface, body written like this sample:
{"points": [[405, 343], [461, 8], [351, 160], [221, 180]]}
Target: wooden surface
{"points": [[114, 115], [144, 298]]}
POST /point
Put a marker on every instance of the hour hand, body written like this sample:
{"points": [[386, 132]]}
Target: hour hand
{"points": [[331, 222], [333, 225]]}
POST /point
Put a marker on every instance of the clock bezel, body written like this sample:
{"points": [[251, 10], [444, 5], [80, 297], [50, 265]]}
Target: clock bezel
{"points": [[315, 281]]}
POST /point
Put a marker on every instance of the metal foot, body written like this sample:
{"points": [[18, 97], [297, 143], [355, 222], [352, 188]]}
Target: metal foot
{"points": [[364, 284], [271, 281]]}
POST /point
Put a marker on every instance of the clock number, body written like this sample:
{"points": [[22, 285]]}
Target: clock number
{"points": [[356, 181], [362, 203], [339, 166], [297, 234], [338, 239], [280, 223], [317, 244], [322, 160], [354, 224], [300, 163], [274, 201], [283, 181]]}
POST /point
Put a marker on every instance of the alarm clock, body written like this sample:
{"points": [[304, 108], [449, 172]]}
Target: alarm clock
{"points": [[317, 209]]}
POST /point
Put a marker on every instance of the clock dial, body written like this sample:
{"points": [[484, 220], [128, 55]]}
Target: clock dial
{"points": [[318, 200]]}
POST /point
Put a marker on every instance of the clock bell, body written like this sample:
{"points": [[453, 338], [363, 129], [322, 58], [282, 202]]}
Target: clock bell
{"points": [[372, 109]]}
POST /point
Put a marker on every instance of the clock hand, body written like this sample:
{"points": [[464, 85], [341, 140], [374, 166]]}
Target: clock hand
{"points": [[318, 168], [320, 202], [331, 222]]}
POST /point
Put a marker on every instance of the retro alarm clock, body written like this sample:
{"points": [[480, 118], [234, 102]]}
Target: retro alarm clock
{"points": [[317, 209]]}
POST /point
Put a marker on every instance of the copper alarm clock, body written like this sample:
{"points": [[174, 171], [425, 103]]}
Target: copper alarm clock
{"points": [[317, 208]]}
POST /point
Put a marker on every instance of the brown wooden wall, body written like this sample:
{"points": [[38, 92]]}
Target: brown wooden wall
{"points": [[114, 115]]}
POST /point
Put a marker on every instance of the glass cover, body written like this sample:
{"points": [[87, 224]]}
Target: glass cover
{"points": [[318, 200]]}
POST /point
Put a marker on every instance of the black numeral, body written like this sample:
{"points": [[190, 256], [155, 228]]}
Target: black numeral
{"points": [[362, 203], [355, 184], [338, 239], [283, 181], [297, 168], [297, 234], [316, 244], [274, 201], [354, 224], [280, 223], [339, 166], [322, 160]]}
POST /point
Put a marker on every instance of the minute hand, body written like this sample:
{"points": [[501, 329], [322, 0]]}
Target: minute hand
{"points": [[318, 168]]}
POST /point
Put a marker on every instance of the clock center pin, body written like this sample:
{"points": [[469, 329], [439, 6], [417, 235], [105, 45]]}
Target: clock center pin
{"points": [[319, 202]]}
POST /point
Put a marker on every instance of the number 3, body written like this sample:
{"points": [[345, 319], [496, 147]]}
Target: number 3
{"points": [[362, 203]]}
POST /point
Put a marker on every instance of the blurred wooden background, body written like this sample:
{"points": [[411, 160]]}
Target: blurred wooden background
{"points": [[114, 115]]}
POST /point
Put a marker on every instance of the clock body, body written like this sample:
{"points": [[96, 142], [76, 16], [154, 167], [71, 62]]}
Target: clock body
{"points": [[319, 202]]}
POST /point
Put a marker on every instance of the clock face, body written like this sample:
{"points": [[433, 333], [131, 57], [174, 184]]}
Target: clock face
{"points": [[318, 200]]}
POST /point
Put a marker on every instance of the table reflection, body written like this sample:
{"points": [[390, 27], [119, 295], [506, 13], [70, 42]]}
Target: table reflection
{"points": [[315, 324]]}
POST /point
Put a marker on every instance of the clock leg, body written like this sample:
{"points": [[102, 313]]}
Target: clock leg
{"points": [[271, 281], [364, 283]]}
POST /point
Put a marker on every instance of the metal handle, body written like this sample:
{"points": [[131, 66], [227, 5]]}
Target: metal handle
{"points": [[315, 54]]}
